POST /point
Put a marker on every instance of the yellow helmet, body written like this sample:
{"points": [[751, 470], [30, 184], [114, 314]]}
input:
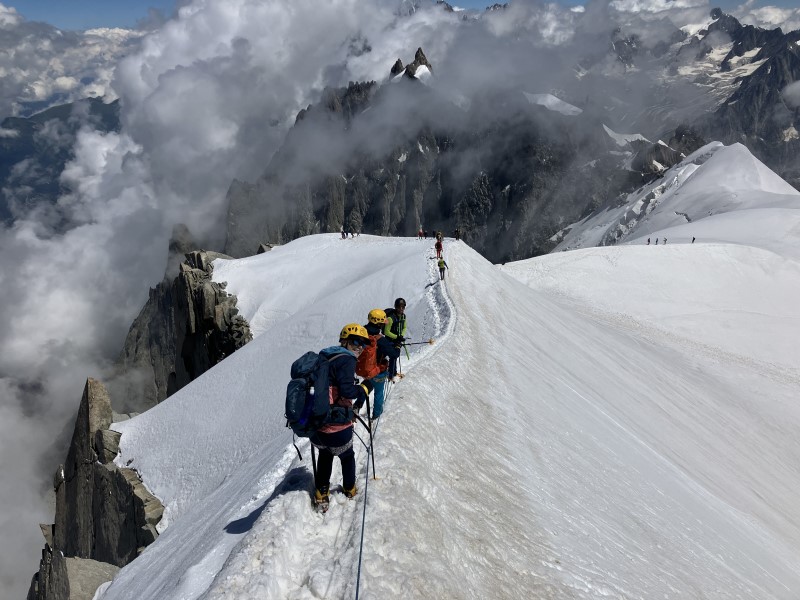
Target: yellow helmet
{"points": [[377, 316], [354, 331]]}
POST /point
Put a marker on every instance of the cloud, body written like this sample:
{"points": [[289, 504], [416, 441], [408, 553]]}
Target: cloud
{"points": [[768, 17], [791, 95], [9, 17], [41, 66]]}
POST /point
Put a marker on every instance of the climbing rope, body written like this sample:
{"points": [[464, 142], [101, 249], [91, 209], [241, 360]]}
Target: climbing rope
{"points": [[366, 486]]}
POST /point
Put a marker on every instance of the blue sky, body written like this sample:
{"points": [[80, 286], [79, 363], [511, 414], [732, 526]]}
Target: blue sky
{"points": [[84, 14]]}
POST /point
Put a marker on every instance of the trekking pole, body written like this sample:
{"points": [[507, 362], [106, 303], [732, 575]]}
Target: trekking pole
{"points": [[430, 341], [374, 476], [314, 464]]}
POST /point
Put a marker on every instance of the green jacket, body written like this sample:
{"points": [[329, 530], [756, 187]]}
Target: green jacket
{"points": [[395, 325]]}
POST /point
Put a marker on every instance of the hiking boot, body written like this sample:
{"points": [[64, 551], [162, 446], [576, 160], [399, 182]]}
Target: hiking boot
{"points": [[350, 492], [321, 499]]}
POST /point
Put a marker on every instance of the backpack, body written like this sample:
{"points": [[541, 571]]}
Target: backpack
{"points": [[308, 405]]}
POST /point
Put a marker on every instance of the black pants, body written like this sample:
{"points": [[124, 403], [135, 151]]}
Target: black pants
{"points": [[335, 444]]}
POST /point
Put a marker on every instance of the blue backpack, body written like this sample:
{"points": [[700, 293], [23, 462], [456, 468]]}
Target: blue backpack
{"points": [[308, 404]]}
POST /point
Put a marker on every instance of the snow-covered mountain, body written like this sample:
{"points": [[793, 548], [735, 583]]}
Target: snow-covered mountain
{"points": [[615, 422], [701, 197]]}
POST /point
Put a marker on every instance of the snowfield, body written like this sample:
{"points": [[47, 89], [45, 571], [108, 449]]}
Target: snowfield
{"points": [[617, 422]]}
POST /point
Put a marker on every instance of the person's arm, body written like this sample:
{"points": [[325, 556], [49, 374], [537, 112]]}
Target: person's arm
{"points": [[344, 375], [387, 331]]}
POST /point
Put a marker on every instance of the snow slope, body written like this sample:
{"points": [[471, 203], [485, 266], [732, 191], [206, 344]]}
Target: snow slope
{"points": [[548, 445], [698, 198], [553, 103]]}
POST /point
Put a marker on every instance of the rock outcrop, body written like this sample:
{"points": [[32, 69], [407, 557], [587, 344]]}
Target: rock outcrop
{"points": [[208, 326], [104, 514], [188, 325]]}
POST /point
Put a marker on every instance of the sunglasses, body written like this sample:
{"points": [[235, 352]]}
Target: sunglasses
{"points": [[358, 343]]}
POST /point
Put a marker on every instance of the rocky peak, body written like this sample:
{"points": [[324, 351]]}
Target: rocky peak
{"points": [[411, 69], [724, 22], [397, 67]]}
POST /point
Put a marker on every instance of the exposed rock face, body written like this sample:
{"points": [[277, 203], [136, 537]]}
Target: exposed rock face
{"points": [[419, 60], [756, 114], [503, 171], [208, 325], [70, 578], [104, 515], [187, 326]]}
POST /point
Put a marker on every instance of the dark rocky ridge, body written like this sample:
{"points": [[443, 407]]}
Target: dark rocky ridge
{"points": [[506, 180], [104, 516], [188, 325], [756, 113]]}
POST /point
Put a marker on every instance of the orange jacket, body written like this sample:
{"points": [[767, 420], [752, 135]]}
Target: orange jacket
{"points": [[367, 365]]}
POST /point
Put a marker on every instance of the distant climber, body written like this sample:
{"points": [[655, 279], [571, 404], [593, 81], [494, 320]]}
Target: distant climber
{"points": [[442, 267], [648, 241], [656, 241], [457, 234], [438, 247], [693, 240], [337, 439], [420, 233]]}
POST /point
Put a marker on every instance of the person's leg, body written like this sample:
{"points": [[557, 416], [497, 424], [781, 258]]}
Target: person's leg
{"points": [[322, 478], [340, 444], [379, 383], [348, 460]]}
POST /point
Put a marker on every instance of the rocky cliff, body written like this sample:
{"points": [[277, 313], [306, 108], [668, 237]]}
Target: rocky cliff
{"points": [[104, 515], [188, 325]]}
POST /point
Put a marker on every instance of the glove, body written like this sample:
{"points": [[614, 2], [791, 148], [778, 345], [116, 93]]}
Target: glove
{"points": [[367, 386], [357, 407], [401, 339]]}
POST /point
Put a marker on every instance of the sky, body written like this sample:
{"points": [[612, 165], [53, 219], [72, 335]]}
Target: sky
{"points": [[561, 464], [70, 264], [86, 14]]}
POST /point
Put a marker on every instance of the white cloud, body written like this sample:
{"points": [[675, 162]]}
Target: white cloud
{"points": [[9, 17], [655, 6], [791, 95], [41, 66], [768, 17]]}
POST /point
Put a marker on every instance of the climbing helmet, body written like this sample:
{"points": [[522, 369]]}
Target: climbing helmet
{"points": [[355, 333], [377, 316]]}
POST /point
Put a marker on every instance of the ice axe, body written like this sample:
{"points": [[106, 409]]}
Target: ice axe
{"points": [[430, 341]]}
